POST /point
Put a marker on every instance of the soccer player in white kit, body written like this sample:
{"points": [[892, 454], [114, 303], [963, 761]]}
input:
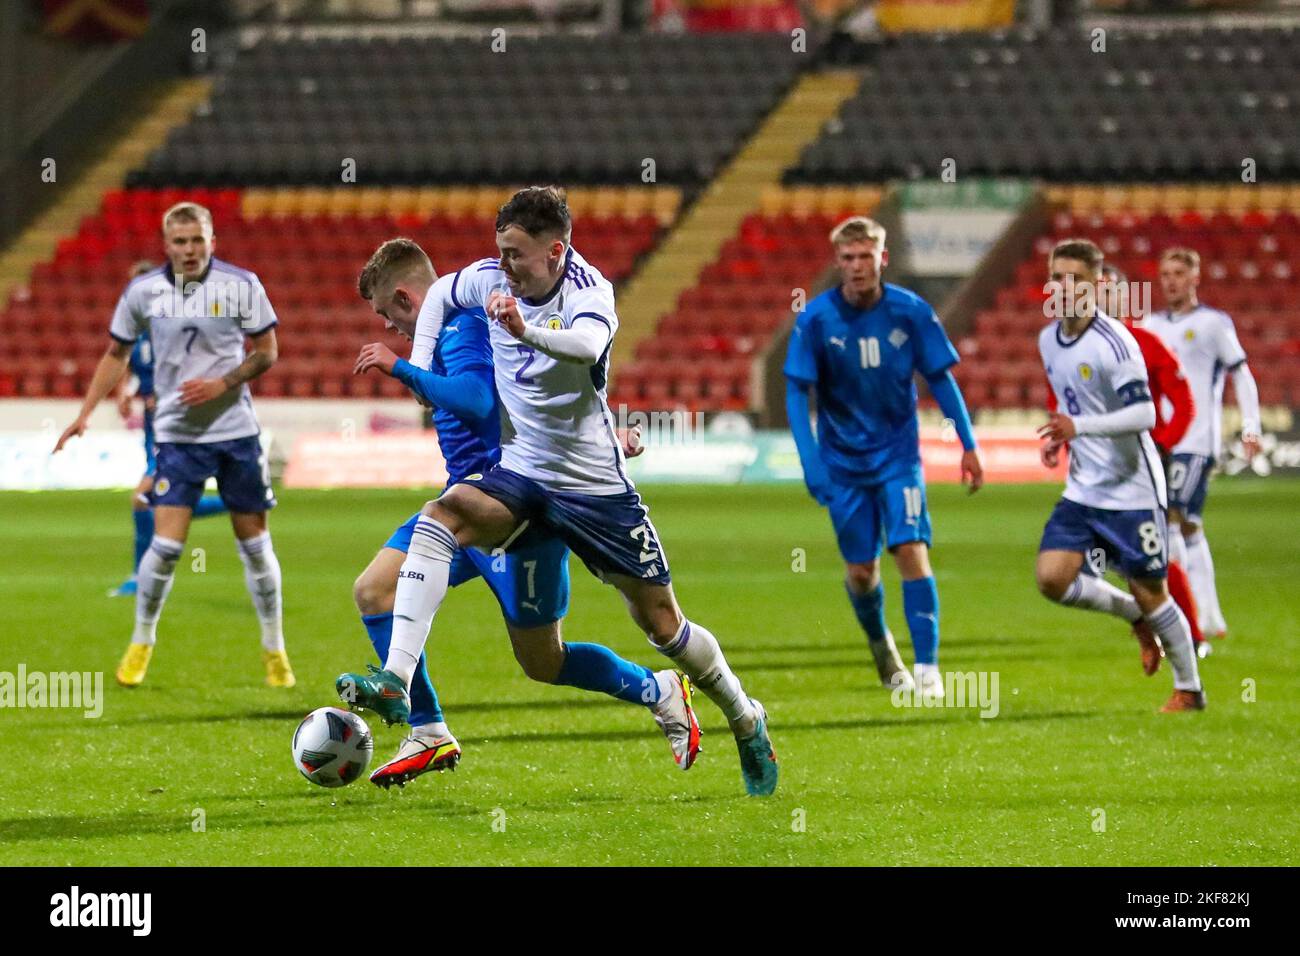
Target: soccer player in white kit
{"points": [[198, 312], [1206, 344], [552, 326], [1114, 496]]}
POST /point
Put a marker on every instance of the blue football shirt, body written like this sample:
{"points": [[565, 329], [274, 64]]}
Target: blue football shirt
{"points": [[861, 364]]}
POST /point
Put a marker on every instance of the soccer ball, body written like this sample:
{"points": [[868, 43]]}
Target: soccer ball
{"points": [[332, 747]]}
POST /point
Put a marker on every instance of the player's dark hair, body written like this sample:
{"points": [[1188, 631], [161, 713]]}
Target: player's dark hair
{"points": [[1085, 250], [538, 211], [394, 259]]}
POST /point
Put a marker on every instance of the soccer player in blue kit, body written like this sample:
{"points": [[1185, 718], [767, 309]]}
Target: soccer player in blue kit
{"points": [[856, 347], [528, 573]]}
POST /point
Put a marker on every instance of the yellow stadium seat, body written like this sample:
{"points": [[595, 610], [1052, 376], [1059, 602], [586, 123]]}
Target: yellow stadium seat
{"points": [[1293, 197], [1086, 199], [636, 201], [1113, 199], [667, 202], [428, 201], [802, 201], [834, 200], [343, 200], [866, 198], [1175, 199], [1144, 199], [771, 201], [255, 203], [313, 201], [459, 201], [1271, 198], [606, 202]]}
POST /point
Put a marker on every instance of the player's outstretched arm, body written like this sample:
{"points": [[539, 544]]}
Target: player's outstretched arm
{"points": [[946, 392], [108, 373], [1243, 384], [800, 414], [467, 394]]}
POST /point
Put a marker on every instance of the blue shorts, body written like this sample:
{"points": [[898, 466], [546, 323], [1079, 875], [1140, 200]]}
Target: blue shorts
{"points": [[895, 509], [612, 534], [1132, 541], [530, 580], [238, 465], [1189, 480]]}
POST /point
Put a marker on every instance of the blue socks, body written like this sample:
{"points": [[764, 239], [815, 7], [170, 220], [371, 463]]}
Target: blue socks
{"points": [[870, 609], [209, 505], [424, 699], [921, 606], [143, 534], [594, 667]]}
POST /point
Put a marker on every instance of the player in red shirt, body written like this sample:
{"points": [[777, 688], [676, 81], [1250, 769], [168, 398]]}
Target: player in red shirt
{"points": [[1167, 383]]}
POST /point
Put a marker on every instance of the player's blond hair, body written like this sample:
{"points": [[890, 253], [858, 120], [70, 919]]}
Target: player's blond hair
{"points": [[858, 229], [393, 261], [1085, 250], [188, 212], [1188, 257]]}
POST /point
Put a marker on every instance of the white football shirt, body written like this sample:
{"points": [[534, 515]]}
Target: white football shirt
{"points": [[1205, 341], [197, 330], [1114, 472], [556, 427]]}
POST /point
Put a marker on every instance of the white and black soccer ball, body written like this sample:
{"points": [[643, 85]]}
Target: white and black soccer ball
{"points": [[332, 747]]}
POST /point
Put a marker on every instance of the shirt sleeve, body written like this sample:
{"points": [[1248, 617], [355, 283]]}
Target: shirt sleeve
{"points": [[1130, 366], [127, 322], [1230, 352], [584, 342], [800, 357], [428, 323], [934, 352], [469, 288], [262, 317]]}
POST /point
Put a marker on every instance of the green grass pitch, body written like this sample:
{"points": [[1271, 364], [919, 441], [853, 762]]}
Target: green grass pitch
{"points": [[1077, 768]]}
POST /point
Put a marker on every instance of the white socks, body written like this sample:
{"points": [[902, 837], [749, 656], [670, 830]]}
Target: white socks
{"points": [[1200, 571], [1176, 637], [1094, 594], [697, 653], [437, 728], [1177, 547], [421, 586], [262, 576], [153, 582]]}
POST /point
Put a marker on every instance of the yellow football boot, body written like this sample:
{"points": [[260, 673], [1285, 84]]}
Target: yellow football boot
{"points": [[278, 671], [130, 673]]}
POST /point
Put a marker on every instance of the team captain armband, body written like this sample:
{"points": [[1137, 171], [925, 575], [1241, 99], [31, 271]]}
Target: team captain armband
{"points": [[1134, 392]]}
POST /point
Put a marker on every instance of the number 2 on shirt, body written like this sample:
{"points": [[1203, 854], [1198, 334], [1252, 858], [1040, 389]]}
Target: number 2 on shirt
{"points": [[530, 357]]}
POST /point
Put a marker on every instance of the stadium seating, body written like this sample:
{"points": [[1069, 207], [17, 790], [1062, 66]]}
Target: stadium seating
{"points": [[1173, 106], [702, 355], [422, 111], [1250, 265], [306, 250]]}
